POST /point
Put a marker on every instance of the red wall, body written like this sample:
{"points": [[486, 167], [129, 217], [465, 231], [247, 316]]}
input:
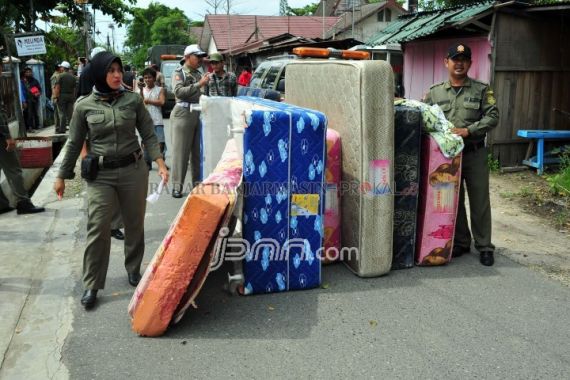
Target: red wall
{"points": [[423, 63]]}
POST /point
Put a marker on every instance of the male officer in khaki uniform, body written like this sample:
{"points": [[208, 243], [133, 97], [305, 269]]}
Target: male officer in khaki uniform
{"points": [[64, 94], [187, 82], [470, 106], [53, 82], [10, 165]]}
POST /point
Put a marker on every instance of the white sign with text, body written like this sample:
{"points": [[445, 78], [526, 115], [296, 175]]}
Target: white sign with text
{"points": [[30, 45]]}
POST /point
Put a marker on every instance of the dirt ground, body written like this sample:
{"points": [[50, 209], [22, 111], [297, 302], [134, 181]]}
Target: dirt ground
{"points": [[530, 224]]}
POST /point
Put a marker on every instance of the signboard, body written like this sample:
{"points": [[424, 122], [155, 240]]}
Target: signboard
{"points": [[30, 45]]}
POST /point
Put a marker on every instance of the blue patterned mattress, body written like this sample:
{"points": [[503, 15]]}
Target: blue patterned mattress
{"points": [[284, 176]]}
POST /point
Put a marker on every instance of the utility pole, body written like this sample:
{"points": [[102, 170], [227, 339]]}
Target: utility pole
{"points": [[112, 27], [324, 8], [85, 31], [229, 33], [32, 16], [352, 19]]}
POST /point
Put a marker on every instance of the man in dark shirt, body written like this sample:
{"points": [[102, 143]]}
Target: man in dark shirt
{"points": [[33, 94]]}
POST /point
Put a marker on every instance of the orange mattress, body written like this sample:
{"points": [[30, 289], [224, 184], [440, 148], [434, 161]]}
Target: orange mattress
{"points": [[177, 260]]}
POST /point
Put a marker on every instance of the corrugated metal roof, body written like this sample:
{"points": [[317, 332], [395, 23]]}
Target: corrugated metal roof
{"points": [[245, 29], [415, 25]]}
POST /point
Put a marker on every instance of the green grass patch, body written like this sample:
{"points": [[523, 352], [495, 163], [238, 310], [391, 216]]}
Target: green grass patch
{"points": [[493, 164], [560, 182]]}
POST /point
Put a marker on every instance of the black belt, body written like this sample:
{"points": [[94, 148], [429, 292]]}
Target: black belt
{"points": [[114, 163], [473, 146]]}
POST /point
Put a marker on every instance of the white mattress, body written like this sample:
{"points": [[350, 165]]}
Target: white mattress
{"points": [[358, 99], [222, 118]]}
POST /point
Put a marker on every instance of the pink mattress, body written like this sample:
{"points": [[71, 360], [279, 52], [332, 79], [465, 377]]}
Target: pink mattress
{"points": [[332, 243], [439, 195]]}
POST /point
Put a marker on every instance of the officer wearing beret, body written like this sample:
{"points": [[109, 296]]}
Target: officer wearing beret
{"points": [[188, 83], [470, 106]]}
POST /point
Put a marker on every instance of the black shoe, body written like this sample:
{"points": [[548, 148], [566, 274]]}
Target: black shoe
{"points": [[176, 194], [149, 164], [459, 251], [117, 234], [89, 298], [27, 207], [487, 258], [7, 209], [134, 278]]}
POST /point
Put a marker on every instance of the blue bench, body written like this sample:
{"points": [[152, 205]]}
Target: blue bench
{"points": [[540, 160]]}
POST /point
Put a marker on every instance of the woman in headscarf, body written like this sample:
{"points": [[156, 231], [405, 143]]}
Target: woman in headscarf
{"points": [[114, 169]]}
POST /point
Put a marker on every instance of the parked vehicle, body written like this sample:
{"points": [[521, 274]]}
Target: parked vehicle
{"points": [[269, 77], [268, 80]]}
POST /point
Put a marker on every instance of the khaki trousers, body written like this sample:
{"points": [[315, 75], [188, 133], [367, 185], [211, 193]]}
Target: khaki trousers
{"points": [[65, 111], [186, 136], [127, 185], [10, 165], [474, 179]]}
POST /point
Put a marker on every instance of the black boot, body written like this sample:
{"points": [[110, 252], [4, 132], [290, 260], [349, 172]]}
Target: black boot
{"points": [[117, 234], [487, 258], [7, 209], [27, 207], [134, 278], [89, 298]]}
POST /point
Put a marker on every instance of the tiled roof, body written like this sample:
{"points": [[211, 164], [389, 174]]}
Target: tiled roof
{"points": [[246, 29]]}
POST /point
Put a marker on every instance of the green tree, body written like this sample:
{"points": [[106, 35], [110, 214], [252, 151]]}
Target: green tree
{"points": [[171, 29], [62, 44], [155, 25], [17, 16], [307, 10]]}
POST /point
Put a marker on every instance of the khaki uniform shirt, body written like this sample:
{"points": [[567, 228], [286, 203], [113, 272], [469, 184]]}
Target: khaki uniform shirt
{"points": [[53, 82], [226, 85], [111, 129], [473, 107], [67, 85], [185, 84]]}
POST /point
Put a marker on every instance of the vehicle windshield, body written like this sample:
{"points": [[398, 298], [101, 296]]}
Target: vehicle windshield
{"points": [[167, 69]]}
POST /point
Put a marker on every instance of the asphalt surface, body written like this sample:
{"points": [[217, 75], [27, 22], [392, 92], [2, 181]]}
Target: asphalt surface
{"points": [[462, 320], [458, 321]]}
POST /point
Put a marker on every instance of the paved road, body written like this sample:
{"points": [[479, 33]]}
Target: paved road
{"points": [[458, 321], [462, 320]]}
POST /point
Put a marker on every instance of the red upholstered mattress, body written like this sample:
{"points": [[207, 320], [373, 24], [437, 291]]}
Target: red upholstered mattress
{"points": [[177, 260]]}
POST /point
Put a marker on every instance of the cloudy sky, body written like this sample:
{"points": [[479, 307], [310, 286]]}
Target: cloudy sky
{"points": [[195, 10]]}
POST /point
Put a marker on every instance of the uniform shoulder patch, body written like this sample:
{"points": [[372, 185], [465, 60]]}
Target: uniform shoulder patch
{"points": [[436, 85], [477, 81], [490, 97]]}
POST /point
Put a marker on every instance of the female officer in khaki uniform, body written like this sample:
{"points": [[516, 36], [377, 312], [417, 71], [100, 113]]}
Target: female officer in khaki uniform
{"points": [[110, 118]]}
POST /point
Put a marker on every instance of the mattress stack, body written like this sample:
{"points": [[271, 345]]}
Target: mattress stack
{"points": [[439, 195], [284, 176], [333, 169], [357, 98], [407, 139]]}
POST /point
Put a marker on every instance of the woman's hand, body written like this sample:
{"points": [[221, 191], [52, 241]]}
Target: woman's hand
{"points": [[162, 170], [59, 187]]}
